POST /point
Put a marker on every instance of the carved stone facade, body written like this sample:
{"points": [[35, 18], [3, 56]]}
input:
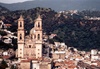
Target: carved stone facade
{"points": [[30, 46]]}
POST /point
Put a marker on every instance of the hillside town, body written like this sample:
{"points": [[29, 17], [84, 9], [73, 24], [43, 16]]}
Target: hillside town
{"points": [[49, 34], [36, 52]]}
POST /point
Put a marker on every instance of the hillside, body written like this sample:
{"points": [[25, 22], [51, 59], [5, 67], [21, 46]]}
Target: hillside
{"points": [[57, 5], [47, 15], [3, 10], [74, 30]]}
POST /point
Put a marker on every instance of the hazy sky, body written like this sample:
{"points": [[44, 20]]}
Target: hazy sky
{"points": [[12, 1], [15, 1]]}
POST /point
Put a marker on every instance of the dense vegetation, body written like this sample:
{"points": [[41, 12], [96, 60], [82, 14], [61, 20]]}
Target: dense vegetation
{"points": [[74, 30], [82, 35]]}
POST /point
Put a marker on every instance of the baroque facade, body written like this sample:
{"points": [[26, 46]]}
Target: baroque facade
{"points": [[30, 46]]}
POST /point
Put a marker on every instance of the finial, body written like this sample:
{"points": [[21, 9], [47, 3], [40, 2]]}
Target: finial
{"points": [[38, 15], [21, 17]]}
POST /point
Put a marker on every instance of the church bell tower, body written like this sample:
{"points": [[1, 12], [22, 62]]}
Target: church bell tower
{"points": [[21, 35], [38, 36]]}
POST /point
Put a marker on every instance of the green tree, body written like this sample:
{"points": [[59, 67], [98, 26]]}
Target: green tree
{"points": [[3, 65]]}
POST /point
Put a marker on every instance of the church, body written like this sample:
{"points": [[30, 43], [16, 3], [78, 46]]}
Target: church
{"points": [[29, 50], [30, 46]]}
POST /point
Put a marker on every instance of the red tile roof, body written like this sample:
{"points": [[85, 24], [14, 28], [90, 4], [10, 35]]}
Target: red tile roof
{"points": [[5, 57]]}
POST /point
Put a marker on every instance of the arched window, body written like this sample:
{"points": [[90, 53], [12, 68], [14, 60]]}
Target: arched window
{"points": [[38, 24], [20, 24], [20, 36], [38, 36]]}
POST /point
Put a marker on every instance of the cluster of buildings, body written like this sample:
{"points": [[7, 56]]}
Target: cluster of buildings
{"points": [[35, 53], [67, 14], [92, 18], [70, 58], [4, 26], [8, 35], [60, 56], [6, 39], [70, 11]]}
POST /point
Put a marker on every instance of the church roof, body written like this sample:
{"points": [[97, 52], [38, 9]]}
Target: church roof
{"points": [[32, 31]]}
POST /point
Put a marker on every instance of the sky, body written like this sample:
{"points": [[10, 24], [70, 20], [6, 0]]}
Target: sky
{"points": [[15, 1], [54, 4], [12, 1]]}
